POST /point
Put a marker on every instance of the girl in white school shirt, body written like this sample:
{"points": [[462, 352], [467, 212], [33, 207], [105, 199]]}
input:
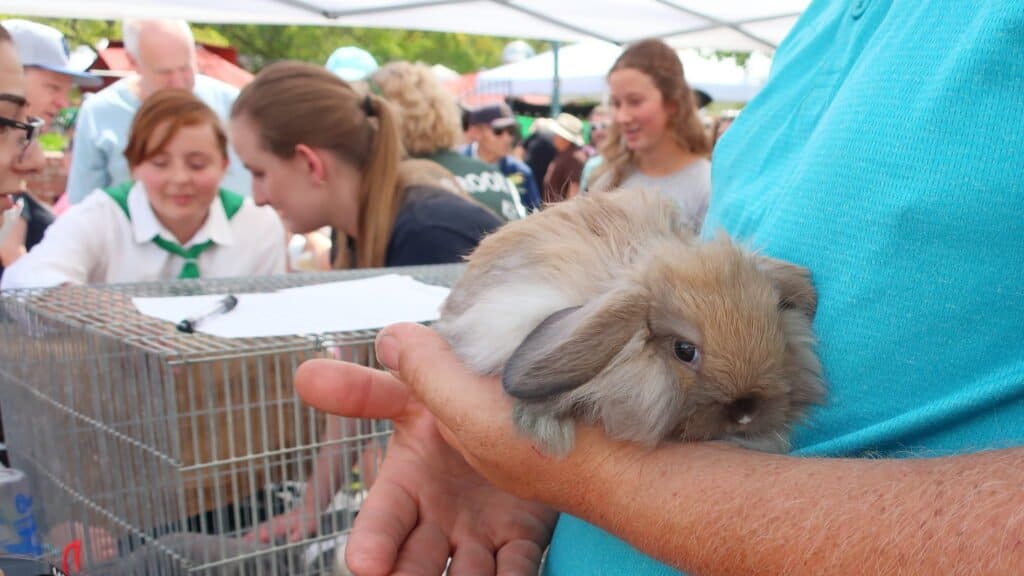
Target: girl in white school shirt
{"points": [[171, 221]]}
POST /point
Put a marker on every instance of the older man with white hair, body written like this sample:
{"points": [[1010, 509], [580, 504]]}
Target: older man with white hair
{"points": [[164, 55]]}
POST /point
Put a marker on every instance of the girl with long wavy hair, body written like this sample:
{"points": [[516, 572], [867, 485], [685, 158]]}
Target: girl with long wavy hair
{"points": [[656, 139]]}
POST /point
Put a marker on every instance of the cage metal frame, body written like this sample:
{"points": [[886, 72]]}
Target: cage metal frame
{"points": [[108, 383]]}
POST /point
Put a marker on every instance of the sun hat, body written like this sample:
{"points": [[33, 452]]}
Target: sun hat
{"points": [[567, 126]]}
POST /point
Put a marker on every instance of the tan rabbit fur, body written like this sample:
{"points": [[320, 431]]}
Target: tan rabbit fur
{"points": [[607, 309]]}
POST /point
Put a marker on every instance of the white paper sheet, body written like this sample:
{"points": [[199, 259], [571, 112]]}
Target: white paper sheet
{"points": [[334, 307]]}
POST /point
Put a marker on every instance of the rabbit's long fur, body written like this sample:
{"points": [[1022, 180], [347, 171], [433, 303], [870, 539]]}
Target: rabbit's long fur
{"points": [[586, 309]]}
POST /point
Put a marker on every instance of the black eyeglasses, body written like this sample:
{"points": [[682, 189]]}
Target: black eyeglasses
{"points": [[504, 130], [32, 128]]}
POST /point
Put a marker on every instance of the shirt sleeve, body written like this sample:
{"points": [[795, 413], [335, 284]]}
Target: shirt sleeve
{"points": [[588, 169], [88, 160], [70, 251]]}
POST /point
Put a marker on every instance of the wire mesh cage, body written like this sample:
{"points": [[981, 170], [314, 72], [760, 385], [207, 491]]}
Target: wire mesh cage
{"points": [[152, 451]]}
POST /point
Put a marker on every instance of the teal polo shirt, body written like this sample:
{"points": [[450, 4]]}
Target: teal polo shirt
{"points": [[886, 154]]}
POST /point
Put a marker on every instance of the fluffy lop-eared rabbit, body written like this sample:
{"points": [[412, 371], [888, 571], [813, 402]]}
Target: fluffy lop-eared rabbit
{"points": [[607, 309]]}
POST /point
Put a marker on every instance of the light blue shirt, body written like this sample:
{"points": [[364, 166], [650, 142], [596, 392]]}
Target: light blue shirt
{"points": [[885, 155], [101, 134], [588, 169]]}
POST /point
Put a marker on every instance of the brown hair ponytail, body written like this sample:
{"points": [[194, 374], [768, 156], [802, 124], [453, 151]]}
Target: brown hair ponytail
{"points": [[296, 103], [380, 196]]}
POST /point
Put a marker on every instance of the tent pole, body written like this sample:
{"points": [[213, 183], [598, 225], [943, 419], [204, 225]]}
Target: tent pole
{"points": [[556, 84]]}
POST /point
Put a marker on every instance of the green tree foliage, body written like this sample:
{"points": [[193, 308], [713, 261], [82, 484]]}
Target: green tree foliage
{"points": [[462, 52], [84, 31], [740, 57], [260, 45]]}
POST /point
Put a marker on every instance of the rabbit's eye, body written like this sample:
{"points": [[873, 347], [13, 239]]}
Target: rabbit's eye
{"points": [[686, 351]]}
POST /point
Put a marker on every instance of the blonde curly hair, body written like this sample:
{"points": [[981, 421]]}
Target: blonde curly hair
{"points": [[429, 117]]}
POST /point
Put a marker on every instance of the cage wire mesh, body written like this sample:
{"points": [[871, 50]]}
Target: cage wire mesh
{"points": [[151, 451]]}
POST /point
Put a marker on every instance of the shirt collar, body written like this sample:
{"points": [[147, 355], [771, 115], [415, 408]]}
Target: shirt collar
{"points": [[145, 224]]}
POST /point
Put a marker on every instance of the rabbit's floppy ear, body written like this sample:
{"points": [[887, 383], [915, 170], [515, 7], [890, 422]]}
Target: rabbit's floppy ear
{"points": [[573, 345], [793, 283]]}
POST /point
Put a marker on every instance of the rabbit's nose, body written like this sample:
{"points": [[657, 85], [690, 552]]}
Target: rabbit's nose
{"points": [[742, 410]]}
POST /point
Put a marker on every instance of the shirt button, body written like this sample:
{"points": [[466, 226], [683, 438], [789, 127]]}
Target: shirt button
{"points": [[858, 8]]}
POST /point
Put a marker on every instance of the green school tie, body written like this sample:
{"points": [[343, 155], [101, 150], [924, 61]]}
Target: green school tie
{"points": [[232, 204], [190, 269]]}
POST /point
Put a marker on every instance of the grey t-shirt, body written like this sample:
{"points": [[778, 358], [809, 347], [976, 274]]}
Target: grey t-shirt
{"points": [[689, 186]]}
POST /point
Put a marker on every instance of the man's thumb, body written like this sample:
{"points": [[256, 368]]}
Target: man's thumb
{"points": [[423, 360], [399, 344]]}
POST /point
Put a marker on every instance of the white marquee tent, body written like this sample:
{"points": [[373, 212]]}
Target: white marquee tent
{"points": [[584, 66], [719, 24]]}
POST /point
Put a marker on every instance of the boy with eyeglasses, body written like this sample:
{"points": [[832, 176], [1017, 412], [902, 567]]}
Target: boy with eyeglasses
{"points": [[19, 156], [492, 131], [19, 153], [49, 77]]}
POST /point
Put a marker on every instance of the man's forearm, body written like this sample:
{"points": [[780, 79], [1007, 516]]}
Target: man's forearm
{"points": [[714, 509]]}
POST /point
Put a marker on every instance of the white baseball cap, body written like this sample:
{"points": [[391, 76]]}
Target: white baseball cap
{"points": [[45, 47]]}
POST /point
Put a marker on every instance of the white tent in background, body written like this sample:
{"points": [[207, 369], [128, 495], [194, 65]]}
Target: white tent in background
{"points": [[582, 69], [444, 73], [739, 25], [725, 80]]}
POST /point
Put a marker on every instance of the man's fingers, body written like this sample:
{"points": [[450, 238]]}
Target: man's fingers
{"points": [[471, 558], [519, 558], [350, 390], [384, 521], [425, 553]]}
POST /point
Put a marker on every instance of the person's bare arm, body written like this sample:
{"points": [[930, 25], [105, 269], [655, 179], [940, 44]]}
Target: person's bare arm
{"points": [[716, 509], [710, 508]]}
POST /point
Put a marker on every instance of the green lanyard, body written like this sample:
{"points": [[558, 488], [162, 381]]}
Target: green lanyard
{"points": [[232, 204]]}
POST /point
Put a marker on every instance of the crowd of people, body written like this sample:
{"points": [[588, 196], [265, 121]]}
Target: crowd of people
{"points": [[879, 157], [475, 155]]}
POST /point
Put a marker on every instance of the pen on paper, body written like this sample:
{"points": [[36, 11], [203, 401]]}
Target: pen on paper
{"points": [[225, 305]]}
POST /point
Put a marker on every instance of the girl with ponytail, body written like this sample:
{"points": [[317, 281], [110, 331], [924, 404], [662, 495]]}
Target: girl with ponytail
{"points": [[322, 153]]}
